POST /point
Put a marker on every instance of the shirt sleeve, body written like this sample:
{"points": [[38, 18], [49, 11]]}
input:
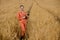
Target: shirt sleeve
{"points": [[18, 16]]}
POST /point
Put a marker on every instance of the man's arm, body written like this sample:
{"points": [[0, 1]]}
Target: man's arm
{"points": [[26, 16], [18, 16]]}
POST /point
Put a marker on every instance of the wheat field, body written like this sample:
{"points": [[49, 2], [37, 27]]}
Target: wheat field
{"points": [[43, 22]]}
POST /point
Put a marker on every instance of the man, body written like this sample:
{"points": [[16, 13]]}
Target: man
{"points": [[22, 16]]}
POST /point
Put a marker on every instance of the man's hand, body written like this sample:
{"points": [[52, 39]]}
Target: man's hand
{"points": [[25, 17]]}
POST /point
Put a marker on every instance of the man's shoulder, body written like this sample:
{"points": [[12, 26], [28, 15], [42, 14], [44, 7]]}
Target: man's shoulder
{"points": [[22, 12], [19, 12]]}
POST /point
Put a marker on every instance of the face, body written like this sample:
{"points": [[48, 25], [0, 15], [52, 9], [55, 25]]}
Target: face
{"points": [[22, 8]]}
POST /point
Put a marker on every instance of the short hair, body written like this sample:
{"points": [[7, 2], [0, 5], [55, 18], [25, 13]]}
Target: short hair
{"points": [[21, 6]]}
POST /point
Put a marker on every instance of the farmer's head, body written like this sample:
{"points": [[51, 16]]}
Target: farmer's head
{"points": [[22, 7]]}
